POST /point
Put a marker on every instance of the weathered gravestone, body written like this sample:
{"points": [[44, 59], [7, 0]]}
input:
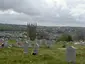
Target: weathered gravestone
{"points": [[49, 43], [36, 48], [6, 43], [26, 47], [41, 43], [45, 42], [71, 55]]}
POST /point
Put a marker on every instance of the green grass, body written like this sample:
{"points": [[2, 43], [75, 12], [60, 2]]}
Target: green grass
{"points": [[45, 56], [11, 41]]}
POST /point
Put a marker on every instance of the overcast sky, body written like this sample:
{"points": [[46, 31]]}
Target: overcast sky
{"points": [[43, 12]]}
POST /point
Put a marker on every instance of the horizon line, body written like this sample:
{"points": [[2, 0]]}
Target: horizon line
{"points": [[45, 25]]}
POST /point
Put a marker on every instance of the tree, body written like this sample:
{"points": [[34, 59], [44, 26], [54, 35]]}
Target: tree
{"points": [[79, 35], [31, 31], [65, 37]]}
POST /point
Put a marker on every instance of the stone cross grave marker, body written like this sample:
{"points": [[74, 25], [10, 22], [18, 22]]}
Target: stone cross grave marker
{"points": [[71, 55]]}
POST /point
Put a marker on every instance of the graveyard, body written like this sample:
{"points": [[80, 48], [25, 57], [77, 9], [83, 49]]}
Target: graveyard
{"points": [[42, 31], [39, 47], [54, 55]]}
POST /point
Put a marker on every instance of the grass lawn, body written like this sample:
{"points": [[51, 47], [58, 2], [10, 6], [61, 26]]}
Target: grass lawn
{"points": [[45, 56], [11, 41]]}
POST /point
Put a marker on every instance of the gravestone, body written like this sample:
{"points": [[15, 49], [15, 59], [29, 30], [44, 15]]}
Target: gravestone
{"points": [[41, 41], [45, 42], [49, 43], [6, 43], [71, 54], [30, 45], [26, 47], [36, 48]]}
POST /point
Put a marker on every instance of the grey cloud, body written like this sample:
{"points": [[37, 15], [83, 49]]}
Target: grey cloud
{"points": [[74, 3], [31, 7], [39, 11], [24, 6]]}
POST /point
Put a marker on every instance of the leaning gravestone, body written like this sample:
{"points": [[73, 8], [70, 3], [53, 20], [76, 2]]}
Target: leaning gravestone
{"points": [[71, 55], [25, 47]]}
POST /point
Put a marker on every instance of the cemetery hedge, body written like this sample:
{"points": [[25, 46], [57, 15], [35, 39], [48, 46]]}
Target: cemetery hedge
{"points": [[46, 56]]}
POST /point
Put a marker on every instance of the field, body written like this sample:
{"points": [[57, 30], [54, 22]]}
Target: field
{"points": [[45, 56]]}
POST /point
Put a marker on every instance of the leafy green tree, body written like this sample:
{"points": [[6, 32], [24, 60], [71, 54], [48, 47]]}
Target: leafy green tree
{"points": [[65, 37], [31, 31]]}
